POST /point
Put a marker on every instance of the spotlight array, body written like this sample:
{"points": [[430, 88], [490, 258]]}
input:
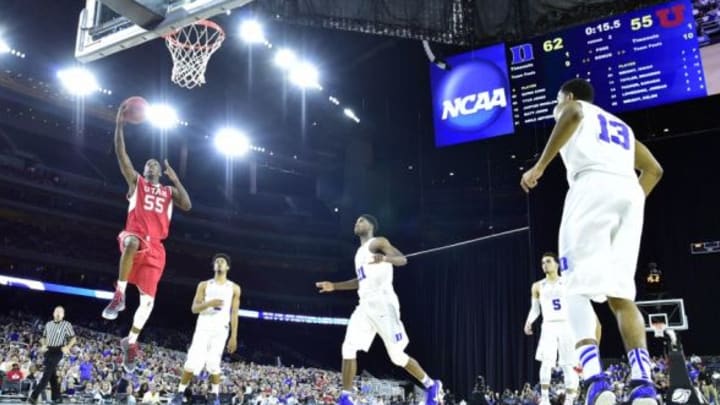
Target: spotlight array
{"points": [[299, 72]]}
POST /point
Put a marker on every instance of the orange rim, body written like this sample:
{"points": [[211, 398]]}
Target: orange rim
{"points": [[170, 38]]}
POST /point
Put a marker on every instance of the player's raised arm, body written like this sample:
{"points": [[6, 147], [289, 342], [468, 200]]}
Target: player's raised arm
{"points": [[126, 166], [649, 168], [180, 196], [385, 252], [534, 309]]}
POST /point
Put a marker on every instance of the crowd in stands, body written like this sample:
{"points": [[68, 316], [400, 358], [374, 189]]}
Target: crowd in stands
{"points": [[706, 379], [92, 372]]}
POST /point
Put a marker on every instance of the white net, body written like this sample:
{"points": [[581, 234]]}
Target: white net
{"points": [[191, 48]]}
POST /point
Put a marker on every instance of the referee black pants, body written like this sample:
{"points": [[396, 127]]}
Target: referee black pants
{"points": [[52, 359]]}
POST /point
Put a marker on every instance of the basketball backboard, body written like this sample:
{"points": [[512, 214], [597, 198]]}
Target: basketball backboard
{"points": [[671, 312], [103, 30]]}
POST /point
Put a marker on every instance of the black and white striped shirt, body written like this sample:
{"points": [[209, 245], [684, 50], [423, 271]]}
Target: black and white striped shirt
{"points": [[57, 334]]}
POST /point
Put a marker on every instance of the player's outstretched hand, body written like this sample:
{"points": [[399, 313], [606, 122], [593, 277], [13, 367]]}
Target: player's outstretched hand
{"points": [[528, 329], [530, 178], [325, 287], [170, 172], [232, 345]]}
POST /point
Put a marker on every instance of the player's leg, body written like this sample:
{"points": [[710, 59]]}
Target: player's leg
{"points": [[129, 246], [546, 354], [194, 363], [584, 243], [567, 360], [146, 274], [626, 246], [214, 358], [358, 336], [545, 376], [215, 380], [392, 331], [129, 344], [348, 370]]}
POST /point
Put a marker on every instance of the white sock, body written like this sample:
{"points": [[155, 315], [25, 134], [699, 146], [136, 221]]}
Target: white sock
{"points": [[640, 363], [427, 381], [346, 392], [132, 337], [570, 397], [121, 285], [215, 388], [544, 394], [182, 387], [589, 356]]}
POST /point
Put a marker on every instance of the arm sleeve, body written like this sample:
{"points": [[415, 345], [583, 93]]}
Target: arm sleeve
{"points": [[534, 311]]}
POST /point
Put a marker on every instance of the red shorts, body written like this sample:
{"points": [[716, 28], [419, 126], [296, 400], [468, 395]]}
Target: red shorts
{"points": [[148, 264]]}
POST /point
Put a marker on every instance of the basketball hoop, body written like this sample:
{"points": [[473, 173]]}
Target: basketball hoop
{"points": [[191, 48], [659, 329]]}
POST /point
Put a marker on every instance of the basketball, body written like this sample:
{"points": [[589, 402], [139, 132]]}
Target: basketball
{"points": [[136, 110]]}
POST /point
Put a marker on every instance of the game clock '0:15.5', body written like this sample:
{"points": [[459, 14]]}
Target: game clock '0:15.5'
{"points": [[603, 27]]}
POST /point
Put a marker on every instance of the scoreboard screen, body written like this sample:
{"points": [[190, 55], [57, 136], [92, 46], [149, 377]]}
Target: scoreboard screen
{"points": [[645, 58]]}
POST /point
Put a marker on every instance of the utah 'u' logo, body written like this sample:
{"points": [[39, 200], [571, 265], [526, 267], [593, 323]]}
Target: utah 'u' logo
{"points": [[671, 17]]}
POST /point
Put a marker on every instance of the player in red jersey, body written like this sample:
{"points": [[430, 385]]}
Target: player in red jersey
{"points": [[142, 258]]}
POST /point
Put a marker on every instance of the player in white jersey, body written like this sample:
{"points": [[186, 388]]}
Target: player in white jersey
{"points": [[378, 312], [600, 230], [548, 300], [216, 302]]}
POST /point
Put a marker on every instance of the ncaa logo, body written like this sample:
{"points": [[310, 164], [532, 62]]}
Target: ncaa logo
{"points": [[472, 96]]}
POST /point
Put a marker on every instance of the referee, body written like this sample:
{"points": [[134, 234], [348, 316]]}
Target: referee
{"points": [[57, 340]]}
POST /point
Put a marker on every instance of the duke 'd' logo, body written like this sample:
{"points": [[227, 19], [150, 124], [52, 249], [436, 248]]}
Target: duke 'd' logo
{"points": [[472, 96]]}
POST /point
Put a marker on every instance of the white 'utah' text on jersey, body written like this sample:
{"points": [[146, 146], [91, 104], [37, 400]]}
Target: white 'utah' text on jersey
{"points": [[374, 280], [602, 143], [552, 300], [213, 318]]}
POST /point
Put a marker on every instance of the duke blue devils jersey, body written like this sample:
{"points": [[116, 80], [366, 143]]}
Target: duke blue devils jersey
{"points": [[601, 143], [214, 318], [374, 280], [552, 300]]}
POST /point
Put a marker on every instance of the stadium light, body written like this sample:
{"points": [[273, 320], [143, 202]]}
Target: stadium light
{"points": [[285, 59], [305, 75], [351, 114], [231, 142], [252, 32], [162, 116], [4, 47], [78, 81]]}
